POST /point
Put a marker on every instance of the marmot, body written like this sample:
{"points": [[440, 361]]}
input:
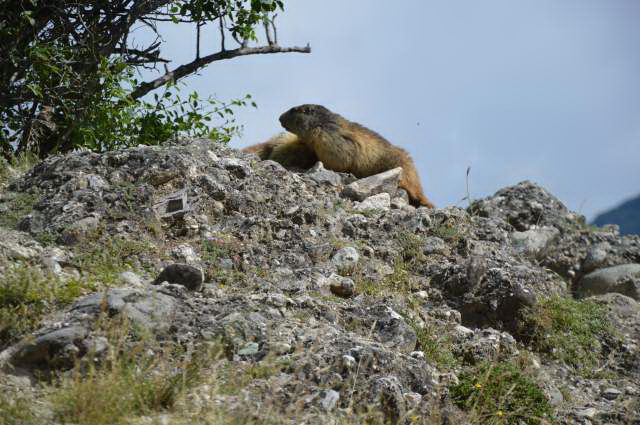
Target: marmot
{"points": [[314, 133]]}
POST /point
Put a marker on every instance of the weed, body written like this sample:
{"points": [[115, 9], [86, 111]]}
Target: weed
{"points": [[46, 238], [567, 330], [213, 249], [233, 377], [367, 212], [5, 171], [501, 393]]}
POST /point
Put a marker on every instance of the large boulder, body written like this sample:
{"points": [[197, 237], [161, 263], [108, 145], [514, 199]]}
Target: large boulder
{"points": [[623, 279]]}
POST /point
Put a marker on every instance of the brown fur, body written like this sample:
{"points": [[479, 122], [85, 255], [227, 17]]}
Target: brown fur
{"points": [[286, 149], [315, 133]]}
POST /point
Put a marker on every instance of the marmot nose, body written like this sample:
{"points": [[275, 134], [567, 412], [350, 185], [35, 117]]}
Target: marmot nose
{"points": [[282, 119]]}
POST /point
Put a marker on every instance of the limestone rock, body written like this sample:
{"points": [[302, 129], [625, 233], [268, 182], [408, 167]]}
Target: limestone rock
{"points": [[623, 279], [381, 201], [361, 189]]}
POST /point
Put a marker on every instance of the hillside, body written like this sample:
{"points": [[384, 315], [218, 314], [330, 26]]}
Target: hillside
{"points": [[626, 215], [194, 284]]}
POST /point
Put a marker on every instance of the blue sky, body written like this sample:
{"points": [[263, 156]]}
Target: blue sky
{"points": [[545, 90]]}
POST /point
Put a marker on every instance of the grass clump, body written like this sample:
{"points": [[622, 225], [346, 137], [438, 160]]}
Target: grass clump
{"points": [[101, 261], [501, 394], [212, 251], [17, 410], [16, 166], [27, 294], [17, 206], [400, 282], [5, 171], [411, 246], [233, 377], [567, 330], [135, 378], [448, 232], [436, 344]]}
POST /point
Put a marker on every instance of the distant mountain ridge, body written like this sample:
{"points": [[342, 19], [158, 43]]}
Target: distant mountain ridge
{"points": [[626, 215]]}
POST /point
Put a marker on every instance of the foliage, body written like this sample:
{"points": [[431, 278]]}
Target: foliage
{"points": [[399, 282], [501, 394], [5, 171], [70, 70], [567, 330]]}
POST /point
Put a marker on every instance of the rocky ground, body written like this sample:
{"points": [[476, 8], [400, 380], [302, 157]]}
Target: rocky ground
{"points": [[192, 283]]}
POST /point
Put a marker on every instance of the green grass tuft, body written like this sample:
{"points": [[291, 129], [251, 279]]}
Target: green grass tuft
{"points": [[17, 207], [501, 394], [101, 261], [436, 344], [17, 410], [27, 295], [134, 379], [567, 330]]}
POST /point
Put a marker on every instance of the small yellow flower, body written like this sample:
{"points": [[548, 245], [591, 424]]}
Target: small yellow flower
{"points": [[500, 413], [478, 386]]}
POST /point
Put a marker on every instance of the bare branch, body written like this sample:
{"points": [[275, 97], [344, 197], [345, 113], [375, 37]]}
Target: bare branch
{"points": [[198, 26], [221, 22], [189, 68], [275, 30], [267, 30]]}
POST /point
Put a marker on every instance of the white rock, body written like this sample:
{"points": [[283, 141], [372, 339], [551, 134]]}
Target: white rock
{"points": [[330, 400], [346, 258], [185, 254], [383, 182], [131, 279], [381, 201]]}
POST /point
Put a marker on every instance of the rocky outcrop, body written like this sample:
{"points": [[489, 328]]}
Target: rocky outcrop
{"points": [[369, 301]]}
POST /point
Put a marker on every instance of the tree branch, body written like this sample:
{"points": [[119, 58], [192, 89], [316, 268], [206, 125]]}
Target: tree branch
{"points": [[191, 67]]}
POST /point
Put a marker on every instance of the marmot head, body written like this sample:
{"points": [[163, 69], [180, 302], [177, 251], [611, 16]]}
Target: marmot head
{"points": [[300, 119]]}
